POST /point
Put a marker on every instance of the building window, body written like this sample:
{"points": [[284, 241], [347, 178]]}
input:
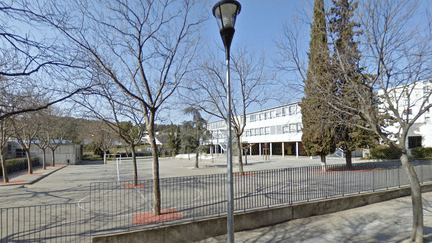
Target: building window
{"points": [[426, 90], [272, 130], [283, 111], [262, 131], [278, 112], [414, 142], [257, 132], [299, 126], [267, 130], [286, 129], [272, 114], [408, 111], [252, 118], [292, 127], [260, 116], [279, 129]]}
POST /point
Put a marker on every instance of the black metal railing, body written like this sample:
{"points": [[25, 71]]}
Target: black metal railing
{"points": [[120, 206]]}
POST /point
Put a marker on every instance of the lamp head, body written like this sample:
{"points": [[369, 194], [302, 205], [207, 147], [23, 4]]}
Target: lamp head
{"points": [[226, 12]]}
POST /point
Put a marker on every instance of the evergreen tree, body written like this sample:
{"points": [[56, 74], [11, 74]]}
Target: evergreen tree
{"points": [[318, 129], [174, 141], [347, 77], [197, 133]]}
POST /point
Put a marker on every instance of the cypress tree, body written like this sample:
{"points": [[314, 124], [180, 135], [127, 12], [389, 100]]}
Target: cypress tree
{"points": [[348, 78], [318, 129]]}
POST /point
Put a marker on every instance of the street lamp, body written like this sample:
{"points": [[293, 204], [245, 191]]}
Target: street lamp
{"points": [[226, 13]]}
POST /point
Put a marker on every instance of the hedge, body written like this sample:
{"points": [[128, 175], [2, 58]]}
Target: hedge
{"points": [[422, 153], [384, 152], [18, 164]]}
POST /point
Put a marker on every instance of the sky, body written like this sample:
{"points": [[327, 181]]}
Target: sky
{"points": [[258, 23], [258, 26]]}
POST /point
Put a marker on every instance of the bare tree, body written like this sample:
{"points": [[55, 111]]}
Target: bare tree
{"points": [[392, 98], [249, 82], [61, 130], [144, 47], [120, 114], [43, 136], [5, 135], [25, 131], [104, 139], [396, 51], [32, 58]]}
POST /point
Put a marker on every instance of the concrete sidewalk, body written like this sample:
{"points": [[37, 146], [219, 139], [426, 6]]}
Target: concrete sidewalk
{"points": [[23, 178], [389, 221]]}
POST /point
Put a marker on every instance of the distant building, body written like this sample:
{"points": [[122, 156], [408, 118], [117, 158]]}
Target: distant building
{"points": [[274, 131], [146, 139], [278, 130], [13, 150], [408, 100], [65, 154]]}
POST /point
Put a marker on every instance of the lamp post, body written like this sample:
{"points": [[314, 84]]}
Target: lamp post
{"points": [[226, 12]]}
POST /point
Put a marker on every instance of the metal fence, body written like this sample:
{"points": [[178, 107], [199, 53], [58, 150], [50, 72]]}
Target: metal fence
{"points": [[119, 206]]}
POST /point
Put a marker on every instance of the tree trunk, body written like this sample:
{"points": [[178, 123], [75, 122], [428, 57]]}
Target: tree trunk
{"points": [[348, 159], [416, 197], [246, 157], [196, 160], [134, 163], [30, 167], [105, 158], [156, 184], [4, 171], [43, 159], [239, 146], [52, 157], [323, 162]]}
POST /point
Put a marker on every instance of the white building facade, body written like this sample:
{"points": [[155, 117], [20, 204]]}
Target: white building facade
{"points": [[278, 130], [274, 131], [409, 100]]}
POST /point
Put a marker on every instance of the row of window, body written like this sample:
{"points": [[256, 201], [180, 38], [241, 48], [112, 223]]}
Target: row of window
{"points": [[273, 130], [279, 112]]}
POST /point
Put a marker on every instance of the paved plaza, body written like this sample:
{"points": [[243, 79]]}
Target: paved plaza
{"points": [[382, 222], [71, 184]]}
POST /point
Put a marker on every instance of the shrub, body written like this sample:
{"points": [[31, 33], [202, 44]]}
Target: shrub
{"points": [[18, 164], [384, 152], [422, 153]]}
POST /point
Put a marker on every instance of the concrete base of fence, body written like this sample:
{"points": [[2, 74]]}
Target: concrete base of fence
{"points": [[200, 230]]}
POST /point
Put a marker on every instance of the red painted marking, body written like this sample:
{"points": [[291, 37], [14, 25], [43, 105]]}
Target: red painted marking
{"points": [[132, 186], [11, 182], [149, 218]]}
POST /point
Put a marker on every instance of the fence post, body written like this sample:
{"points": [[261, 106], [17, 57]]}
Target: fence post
{"points": [[421, 174], [399, 180]]}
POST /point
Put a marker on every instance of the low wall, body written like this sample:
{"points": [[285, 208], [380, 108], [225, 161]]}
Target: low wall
{"points": [[200, 230], [63, 155]]}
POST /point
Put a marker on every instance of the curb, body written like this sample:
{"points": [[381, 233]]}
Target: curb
{"points": [[30, 182]]}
